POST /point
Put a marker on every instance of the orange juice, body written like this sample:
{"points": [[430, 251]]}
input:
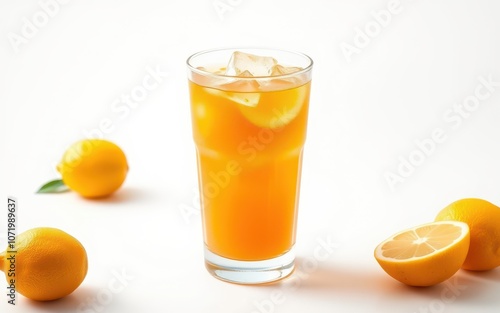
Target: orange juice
{"points": [[249, 141]]}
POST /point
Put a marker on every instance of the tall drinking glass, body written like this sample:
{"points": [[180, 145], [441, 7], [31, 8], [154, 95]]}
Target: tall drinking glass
{"points": [[249, 120]]}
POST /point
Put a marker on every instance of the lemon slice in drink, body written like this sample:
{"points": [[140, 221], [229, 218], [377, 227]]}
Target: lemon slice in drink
{"points": [[425, 255], [276, 109], [267, 109]]}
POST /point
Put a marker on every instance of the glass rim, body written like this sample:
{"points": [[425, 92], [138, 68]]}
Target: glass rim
{"points": [[210, 74]]}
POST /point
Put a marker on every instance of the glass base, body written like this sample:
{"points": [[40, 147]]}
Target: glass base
{"points": [[250, 272]]}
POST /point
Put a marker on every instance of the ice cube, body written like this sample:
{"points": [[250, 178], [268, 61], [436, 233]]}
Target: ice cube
{"points": [[239, 91], [281, 82], [215, 70], [246, 73], [247, 92], [241, 62], [283, 70], [203, 77]]}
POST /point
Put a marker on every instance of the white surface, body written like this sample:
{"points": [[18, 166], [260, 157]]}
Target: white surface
{"points": [[364, 115]]}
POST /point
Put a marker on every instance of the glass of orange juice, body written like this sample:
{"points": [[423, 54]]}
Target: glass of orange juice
{"points": [[249, 112]]}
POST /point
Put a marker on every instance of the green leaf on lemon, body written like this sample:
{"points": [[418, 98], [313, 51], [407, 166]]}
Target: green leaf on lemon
{"points": [[54, 186]]}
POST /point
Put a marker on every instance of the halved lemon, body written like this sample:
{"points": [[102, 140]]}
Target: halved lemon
{"points": [[483, 218], [425, 255]]}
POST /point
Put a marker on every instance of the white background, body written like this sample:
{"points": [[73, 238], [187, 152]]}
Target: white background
{"points": [[368, 113]]}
